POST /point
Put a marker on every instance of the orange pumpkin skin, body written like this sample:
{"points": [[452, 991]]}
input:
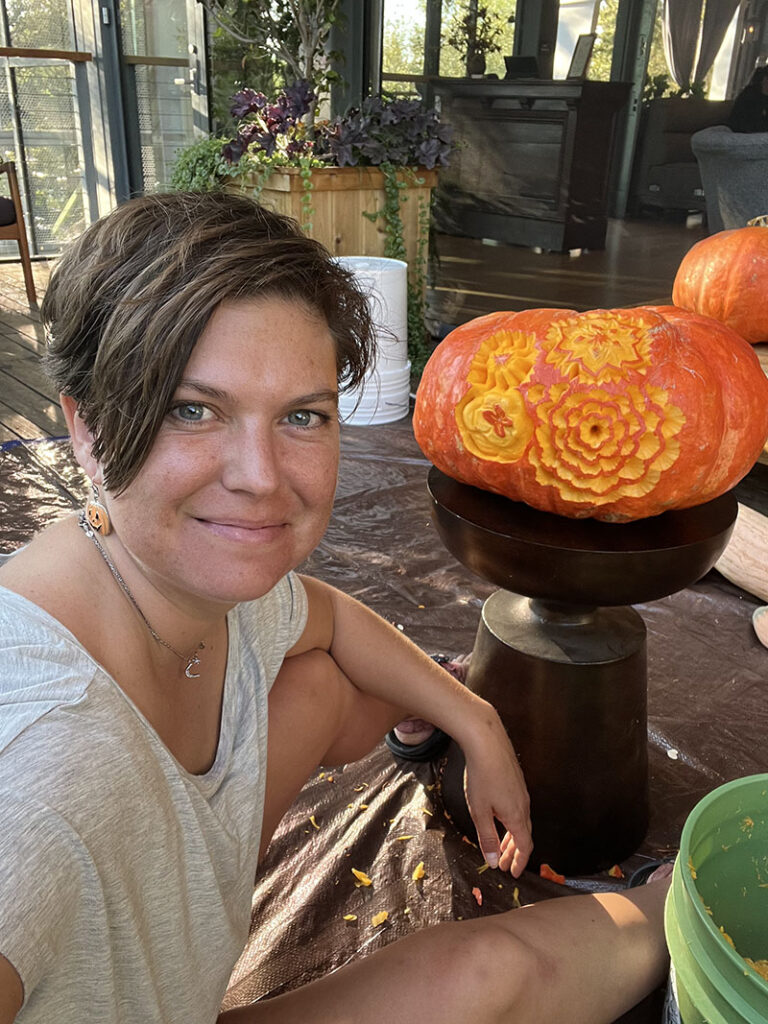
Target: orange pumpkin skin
{"points": [[612, 414], [725, 276]]}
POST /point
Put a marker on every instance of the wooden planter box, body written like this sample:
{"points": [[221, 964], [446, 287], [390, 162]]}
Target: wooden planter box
{"points": [[340, 196]]}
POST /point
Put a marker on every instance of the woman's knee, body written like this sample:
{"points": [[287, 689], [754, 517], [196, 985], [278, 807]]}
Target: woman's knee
{"points": [[305, 698], [313, 671], [485, 965], [311, 693]]}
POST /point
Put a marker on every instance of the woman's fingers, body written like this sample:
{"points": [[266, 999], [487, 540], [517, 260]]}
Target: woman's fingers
{"points": [[513, 851], [488, 840], [508, 849], [517, 851], [495, 792]]}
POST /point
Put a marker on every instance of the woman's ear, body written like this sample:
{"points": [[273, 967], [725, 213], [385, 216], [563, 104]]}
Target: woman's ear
{"points": [[82, 438]]}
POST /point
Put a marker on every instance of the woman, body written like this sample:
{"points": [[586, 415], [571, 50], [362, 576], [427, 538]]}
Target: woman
{"points": [[152, 643]]}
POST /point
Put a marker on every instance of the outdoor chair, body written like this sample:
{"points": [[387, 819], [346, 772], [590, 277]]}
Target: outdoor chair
{"points": [[12, 227]]}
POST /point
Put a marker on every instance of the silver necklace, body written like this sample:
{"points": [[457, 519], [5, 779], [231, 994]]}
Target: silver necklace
{"points": [[193, 660]]}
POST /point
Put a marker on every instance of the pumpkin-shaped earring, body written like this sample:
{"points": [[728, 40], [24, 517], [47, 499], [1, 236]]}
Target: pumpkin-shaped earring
{"points": [[97, 515]]}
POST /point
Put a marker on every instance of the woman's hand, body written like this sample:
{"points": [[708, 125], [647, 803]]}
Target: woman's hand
{"points": [[495, 791]]}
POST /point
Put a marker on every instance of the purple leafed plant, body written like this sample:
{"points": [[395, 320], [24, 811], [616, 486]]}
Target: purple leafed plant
{"points": [[396, 132], [266, 122], [399, 132]]}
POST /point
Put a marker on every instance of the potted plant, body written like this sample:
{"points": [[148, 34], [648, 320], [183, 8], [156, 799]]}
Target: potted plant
{"points": [[200, 166], [386, 149], [474, 34]]}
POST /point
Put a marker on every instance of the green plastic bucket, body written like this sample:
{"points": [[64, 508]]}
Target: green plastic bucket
{"points": [[720, 881]]}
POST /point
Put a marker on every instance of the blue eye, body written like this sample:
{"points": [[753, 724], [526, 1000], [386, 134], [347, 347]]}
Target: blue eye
{"points": [[302, 418], [189, 412]]}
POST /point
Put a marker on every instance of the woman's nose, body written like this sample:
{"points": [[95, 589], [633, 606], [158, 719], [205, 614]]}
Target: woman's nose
{"points": [[252, 463]]}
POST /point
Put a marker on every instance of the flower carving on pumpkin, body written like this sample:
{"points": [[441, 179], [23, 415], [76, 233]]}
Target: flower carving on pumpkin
{"points": [[596, 445], [492, 417], [579, 406], [601, 348]]}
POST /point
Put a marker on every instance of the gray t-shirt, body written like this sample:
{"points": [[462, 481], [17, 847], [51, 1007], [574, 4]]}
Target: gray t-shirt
{"points": [[125, 881]]}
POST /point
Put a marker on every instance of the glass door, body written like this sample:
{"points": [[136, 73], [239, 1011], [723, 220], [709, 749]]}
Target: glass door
{"points": [[164, 85], [43, 112]]}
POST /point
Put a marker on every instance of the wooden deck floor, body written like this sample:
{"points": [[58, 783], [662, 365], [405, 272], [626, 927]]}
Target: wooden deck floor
{"points": [[29, 407], [471, 278]]}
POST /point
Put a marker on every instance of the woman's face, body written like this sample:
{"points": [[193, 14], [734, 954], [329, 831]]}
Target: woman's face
{"points": [[239, 484]]}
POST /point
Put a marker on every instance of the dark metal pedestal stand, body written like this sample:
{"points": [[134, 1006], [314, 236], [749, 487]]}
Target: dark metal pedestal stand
{"points": [[563, 665]]}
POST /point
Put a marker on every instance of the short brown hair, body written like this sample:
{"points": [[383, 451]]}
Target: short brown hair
{"points": [[129, 299]]}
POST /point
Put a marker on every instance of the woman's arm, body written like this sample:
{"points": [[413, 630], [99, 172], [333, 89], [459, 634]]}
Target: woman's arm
{"points": [[383, 663], [11, 992]]}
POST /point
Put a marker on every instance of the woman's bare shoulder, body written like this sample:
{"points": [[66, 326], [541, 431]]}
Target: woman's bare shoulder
{"points": [[49, 572]]}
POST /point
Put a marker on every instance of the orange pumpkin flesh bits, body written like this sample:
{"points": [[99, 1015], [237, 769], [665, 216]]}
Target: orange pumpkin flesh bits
{"points": [[545, 871], [761, 966], [362, 878]]}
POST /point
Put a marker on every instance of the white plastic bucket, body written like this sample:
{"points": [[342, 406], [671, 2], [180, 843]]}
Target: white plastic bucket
{"points": [[383, 398], [385, 282]]}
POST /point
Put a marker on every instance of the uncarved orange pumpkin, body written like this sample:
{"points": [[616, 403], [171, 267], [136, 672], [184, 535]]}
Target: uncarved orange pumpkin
{"points": [[612, 414], [725, 276]]}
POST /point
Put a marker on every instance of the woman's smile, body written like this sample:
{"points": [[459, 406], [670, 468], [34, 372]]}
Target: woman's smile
{"points": [[244, 532]]}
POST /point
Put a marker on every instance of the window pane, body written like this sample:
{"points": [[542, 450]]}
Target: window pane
{"points": [[575, 18], [489, 36], [403, 46], [42, 24], [46, 104], [165, 120], [154, 28]]}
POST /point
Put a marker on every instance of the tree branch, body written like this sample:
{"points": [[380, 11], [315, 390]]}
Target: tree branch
{"points": [[218, 16]]}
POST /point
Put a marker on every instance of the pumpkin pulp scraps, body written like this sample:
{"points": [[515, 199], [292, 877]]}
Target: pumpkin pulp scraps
{"points": [[545, 871]]}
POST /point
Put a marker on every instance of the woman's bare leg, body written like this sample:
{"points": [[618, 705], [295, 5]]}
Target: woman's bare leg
{"points": [[316, 716], [573, 960]]}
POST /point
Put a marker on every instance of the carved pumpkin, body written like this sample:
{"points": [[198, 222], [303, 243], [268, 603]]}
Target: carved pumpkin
{"points": [[725, 276], [612, 414]]}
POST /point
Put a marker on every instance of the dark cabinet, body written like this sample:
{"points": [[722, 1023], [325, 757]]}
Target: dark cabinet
{"points": [[532, 161]]}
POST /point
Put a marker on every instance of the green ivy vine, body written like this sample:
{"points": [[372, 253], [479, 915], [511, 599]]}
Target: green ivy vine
{"points": [[254, 174], [307, 211], [396, 181]]}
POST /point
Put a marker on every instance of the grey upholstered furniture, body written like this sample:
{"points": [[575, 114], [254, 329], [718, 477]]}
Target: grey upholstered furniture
{"points": [[666, 175], [734, 173]]}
